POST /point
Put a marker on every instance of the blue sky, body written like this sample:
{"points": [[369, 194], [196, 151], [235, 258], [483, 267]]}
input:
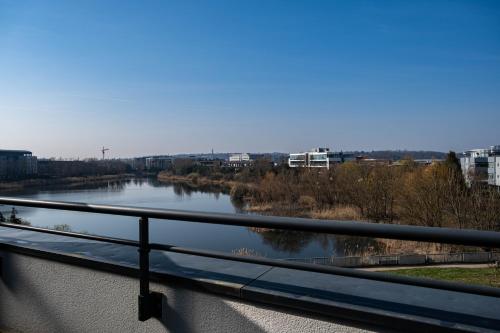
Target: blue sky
{"points": [[147, 77]]}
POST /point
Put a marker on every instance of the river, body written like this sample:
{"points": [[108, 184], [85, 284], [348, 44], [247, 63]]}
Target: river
{"points": [[147, 192]]}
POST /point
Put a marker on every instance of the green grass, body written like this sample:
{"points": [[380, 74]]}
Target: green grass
{"points": [[483, 276]]}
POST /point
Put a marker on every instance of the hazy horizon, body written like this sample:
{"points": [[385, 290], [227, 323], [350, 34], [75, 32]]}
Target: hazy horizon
{"points": [[217, 153], [168, 77]]}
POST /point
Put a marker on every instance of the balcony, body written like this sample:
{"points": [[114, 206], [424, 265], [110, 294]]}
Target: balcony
{"points": [[55, 281]]}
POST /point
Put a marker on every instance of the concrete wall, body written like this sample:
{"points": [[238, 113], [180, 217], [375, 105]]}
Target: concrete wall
{"points": [[38, 295]]}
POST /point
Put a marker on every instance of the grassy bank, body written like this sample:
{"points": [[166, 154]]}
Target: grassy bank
{"points": [[483, 276], [67, 181]]}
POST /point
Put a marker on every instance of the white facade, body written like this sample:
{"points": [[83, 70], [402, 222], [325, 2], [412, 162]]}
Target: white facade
{"points": [[239, 160], [241, 157], [318, 158], [494, 166], [482, 165]]}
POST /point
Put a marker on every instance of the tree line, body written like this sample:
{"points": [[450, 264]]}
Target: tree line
{"points": [[428, 195]]}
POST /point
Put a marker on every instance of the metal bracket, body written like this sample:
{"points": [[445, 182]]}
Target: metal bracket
{"points": [[150, 306], [150, 303]]}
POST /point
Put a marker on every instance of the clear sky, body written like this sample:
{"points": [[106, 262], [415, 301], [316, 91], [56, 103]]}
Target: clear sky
{"points": [[151, 77]]}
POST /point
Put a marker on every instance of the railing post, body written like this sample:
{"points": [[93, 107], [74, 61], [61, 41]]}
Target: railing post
{"points": [[149, 303]]}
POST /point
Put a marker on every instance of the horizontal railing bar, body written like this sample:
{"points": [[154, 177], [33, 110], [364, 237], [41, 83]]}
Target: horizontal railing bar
{"points": [[113, 240], [391, 231], [332, 270]]}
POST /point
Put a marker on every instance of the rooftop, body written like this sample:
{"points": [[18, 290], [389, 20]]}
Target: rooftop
{"points": [[14, 152]]}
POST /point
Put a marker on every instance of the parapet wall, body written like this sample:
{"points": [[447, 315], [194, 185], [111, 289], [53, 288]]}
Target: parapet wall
{"points": [[40, 295]]}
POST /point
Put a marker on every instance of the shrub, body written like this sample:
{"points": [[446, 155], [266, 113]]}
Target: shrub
{"points": [[193, 177], [349, 213], [62, 227], [216, 176], [239, 192], [306, 201]]}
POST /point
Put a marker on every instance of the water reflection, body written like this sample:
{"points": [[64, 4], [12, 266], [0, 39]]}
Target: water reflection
{"points": [[288, 240], [149, 192], [182, 189], [357, 246], [294, 242]]}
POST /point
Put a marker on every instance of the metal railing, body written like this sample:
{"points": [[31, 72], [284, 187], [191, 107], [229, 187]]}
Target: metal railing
{"points": [[404, 260], [150, 303]]}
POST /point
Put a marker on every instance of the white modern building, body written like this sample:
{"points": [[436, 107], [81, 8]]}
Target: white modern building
{"points": [[494, 166], [481, 166], [318, 158], [239, 159]]}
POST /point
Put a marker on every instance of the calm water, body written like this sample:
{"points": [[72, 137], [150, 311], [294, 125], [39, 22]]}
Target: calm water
{"points": [[151, 193]]}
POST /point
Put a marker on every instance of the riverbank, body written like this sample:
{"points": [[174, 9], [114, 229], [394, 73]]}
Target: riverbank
{"points": [[197, 182], [244, 195], [245, 192], [66, 181]]}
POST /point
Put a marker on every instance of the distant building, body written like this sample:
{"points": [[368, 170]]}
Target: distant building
{"points": [[474, 164], [17, 164], [481, 166], [210, 162], [239, 160], [136, 163], [375, 161], [318, 158], [51, 168], [158, 162], [279, 158], [494, 166], [427, 161]]}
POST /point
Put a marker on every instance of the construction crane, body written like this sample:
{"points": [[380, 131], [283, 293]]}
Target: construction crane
{"points": [[103, 151]]}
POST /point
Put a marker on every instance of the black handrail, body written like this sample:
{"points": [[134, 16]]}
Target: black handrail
{"points": [[391, 231], [377, 276], [150, 303]]}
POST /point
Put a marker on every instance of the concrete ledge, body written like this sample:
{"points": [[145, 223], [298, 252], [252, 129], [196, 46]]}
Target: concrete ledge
{"points": [[346, 304], [40, 295]]}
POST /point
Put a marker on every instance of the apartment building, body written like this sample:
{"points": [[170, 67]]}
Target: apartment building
{"points": [[481, 166], [494, 166]]}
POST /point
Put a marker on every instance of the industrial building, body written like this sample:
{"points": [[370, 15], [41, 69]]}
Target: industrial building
{"points": [[481, 166], [17, 164], [318, 158]]}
